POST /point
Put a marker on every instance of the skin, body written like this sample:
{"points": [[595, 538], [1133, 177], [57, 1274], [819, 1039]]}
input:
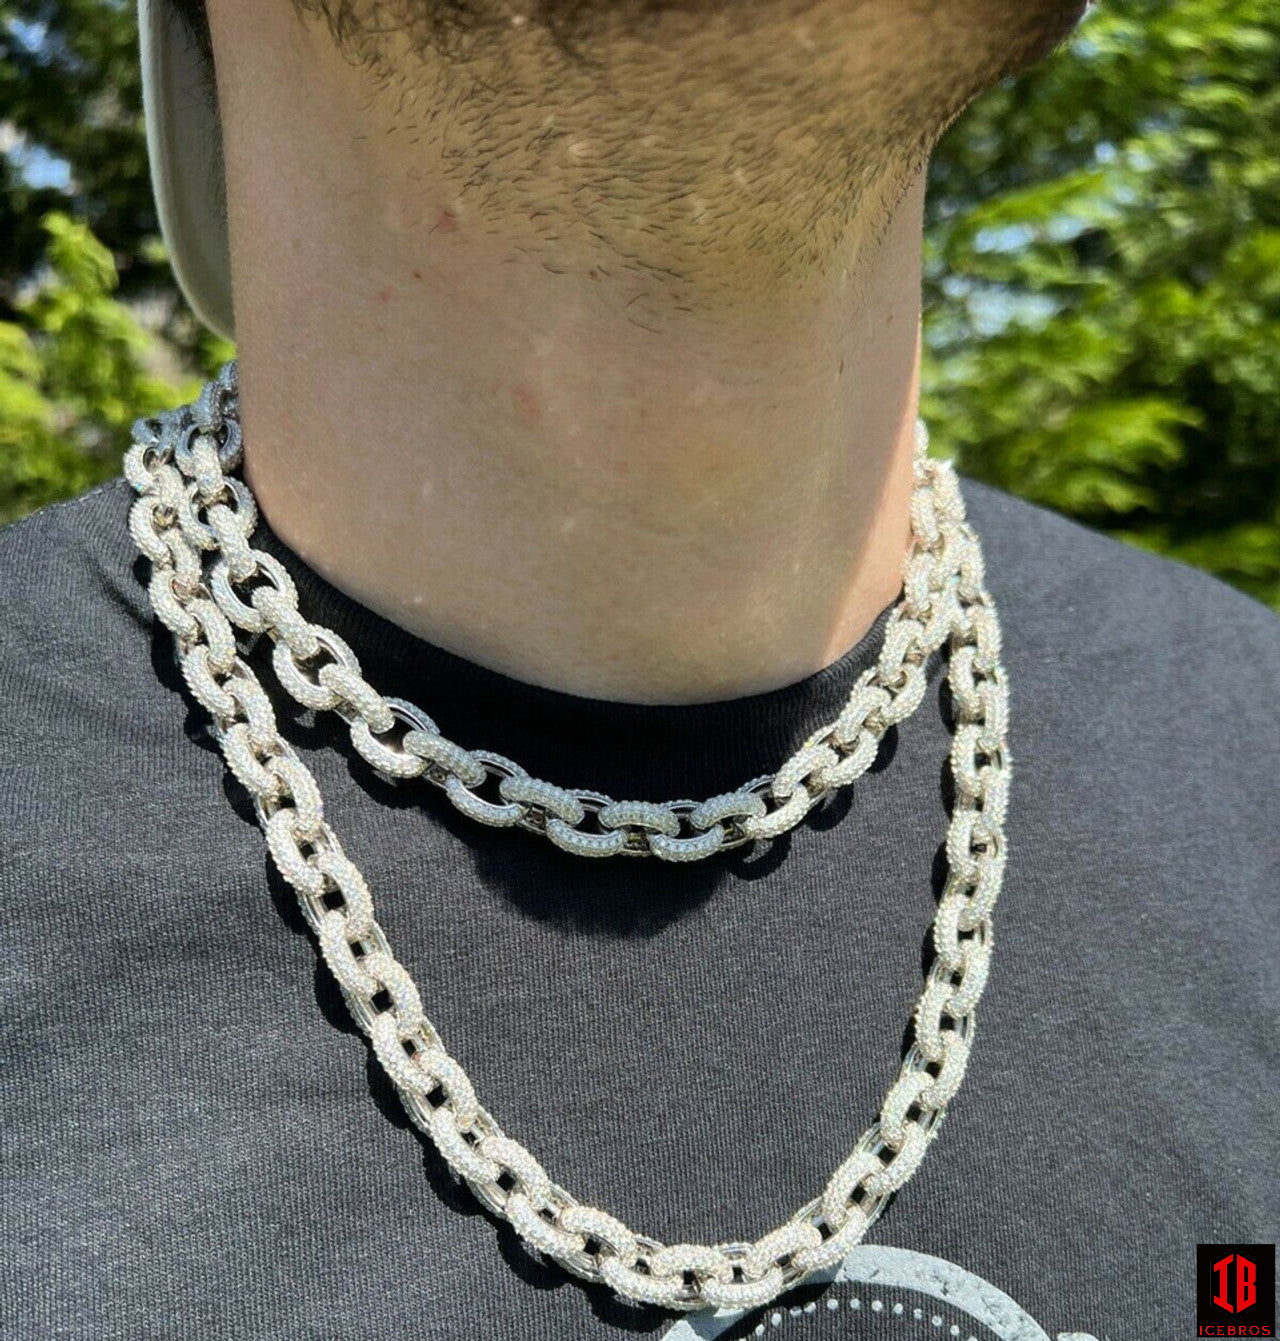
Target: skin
{"points": [[584, 341]]}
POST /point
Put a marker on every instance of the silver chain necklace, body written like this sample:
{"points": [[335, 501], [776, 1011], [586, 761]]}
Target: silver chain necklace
{"points": [[193, 519]]}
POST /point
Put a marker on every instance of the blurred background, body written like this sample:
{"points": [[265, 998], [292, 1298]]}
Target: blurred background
{"points": [[1102, 302]]}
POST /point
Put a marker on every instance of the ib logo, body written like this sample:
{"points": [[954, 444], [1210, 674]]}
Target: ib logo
{"points": [[1236, 1289]]}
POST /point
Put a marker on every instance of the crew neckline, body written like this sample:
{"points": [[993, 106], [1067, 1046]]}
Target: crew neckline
{"points": [[635, 751]]}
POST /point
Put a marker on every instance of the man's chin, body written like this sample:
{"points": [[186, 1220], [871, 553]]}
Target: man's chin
{"points": [[1044, 25]]}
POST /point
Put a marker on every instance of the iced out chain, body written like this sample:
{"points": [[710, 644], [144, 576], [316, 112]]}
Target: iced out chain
{"points": [[190, 507], [942, 590]]}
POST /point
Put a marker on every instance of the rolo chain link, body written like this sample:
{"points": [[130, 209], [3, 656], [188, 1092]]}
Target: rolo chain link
{"points": [[192, 520], [942, 587]]}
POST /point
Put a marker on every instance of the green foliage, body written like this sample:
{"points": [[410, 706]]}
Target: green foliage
{"points": [[81, 255], [71, 100], [1102, 275], [1104, 284], [55, 56], [74, 374]]}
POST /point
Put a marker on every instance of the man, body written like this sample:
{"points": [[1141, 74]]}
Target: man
{"points": [[577, 383]]}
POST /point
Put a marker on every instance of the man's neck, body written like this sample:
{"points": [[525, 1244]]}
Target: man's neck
{"points": [[526, 479], [564, 475]]}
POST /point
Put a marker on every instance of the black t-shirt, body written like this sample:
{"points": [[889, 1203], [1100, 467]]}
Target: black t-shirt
{"points": [[197, 1142]]}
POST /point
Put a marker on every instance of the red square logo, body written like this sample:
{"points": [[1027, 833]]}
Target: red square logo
{"points": [[1235, 1289]]}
